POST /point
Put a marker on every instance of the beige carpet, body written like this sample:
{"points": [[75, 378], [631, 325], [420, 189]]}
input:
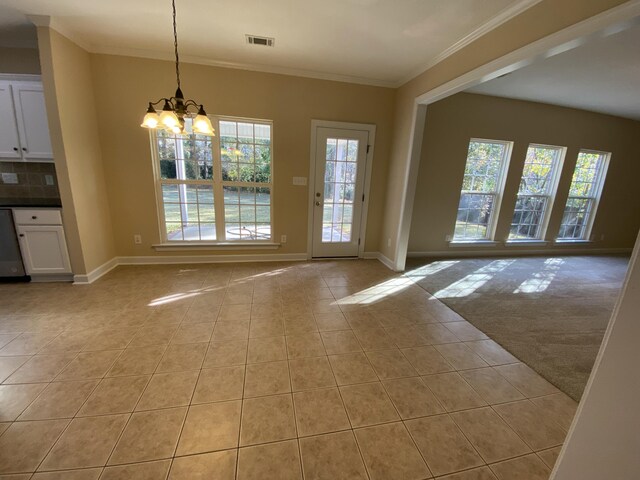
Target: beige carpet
{"points": [[550, 312]]}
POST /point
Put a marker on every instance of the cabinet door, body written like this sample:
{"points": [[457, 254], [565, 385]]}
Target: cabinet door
{"points": [[44, 249], [33, 126], [9, 143]]}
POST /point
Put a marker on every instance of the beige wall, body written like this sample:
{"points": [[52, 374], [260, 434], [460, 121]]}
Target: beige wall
{"points": [[66, 77], [452, 122], [124, 85], [19, 60], [541, 20]]}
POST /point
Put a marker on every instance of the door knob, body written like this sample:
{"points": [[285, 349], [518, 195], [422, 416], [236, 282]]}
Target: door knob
{"points": [[317, 194], [317, 204]]}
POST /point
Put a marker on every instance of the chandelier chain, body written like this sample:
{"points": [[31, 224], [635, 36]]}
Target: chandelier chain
{"points": [[175, 42]]}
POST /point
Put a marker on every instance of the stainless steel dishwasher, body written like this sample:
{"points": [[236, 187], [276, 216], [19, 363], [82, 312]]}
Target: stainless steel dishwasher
{"points": [[11, 267]]}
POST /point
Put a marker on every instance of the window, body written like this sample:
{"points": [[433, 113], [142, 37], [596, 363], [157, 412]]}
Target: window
{"points": [[536, 193], [584, 193], [482, 187], [216, 188]]}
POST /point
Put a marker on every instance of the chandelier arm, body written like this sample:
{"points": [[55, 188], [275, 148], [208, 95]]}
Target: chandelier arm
{"points": [[191, 103], [163, 99], [175, 43]]}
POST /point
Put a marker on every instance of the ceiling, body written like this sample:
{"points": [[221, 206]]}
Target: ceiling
{"points": [[383, 42], [603, 75]]}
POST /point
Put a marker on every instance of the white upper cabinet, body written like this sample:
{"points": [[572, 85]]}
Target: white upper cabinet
{"points": [[9, 142], [24, 133], [31, 115]]}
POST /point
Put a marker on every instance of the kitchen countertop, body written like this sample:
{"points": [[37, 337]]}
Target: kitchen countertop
{"points": [[30, 202]]}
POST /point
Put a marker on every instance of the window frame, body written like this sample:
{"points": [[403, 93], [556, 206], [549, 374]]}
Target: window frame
{"points": [[497, 194], [218, 185], [550, 196], [598, 186]]}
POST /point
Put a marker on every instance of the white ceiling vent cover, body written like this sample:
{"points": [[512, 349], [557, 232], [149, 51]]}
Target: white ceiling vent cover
{"points": [[264, 41]]}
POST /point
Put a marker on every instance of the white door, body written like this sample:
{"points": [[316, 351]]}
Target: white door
{"points": [[340, 160], [44, 249], [9, 143], [31, 113]]}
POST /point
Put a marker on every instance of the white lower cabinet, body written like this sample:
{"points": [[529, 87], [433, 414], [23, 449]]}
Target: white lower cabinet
{"points": [[43, 246]]}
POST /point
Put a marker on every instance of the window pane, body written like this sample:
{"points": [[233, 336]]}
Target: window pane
{"points": [[583, 193], [536, 191], [339, 188], [481, 181], [187, 163], [539, 169], [474, 213], [527, 217], [245, 151]]}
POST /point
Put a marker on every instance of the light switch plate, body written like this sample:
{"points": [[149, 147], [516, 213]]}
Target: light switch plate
{"points": [[10, 178], [300, 180]]}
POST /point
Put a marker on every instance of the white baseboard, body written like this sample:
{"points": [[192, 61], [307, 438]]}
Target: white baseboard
{"points": [[47, 277], [510, 252], [381, 258], [96, 273], [173, 259]]}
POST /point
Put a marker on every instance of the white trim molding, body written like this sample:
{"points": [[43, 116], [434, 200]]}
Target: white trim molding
{"points": [[519, 253], [494, 22], [502, 17], [311, 184], [195, 246], [96, 273], [186, 259], [606, 23], [381, 258]]}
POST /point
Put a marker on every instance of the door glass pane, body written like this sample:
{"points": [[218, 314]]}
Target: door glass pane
{"points": [[339, 188]]}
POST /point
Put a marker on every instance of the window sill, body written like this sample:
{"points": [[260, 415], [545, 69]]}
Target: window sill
{"points": [[176, 246], [572, 242], [524, 243], [472, 243]]}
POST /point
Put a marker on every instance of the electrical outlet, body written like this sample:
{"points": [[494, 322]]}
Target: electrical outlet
{"points": [[283, 239], [137, 239], [388, 242], [447, 238], [10, 178]]}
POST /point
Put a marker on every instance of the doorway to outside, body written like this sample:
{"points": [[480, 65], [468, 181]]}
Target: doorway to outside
{"points": [[340, 173]]}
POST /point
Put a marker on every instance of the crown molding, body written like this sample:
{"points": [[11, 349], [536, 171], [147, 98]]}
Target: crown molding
{"points": [[157, 55], [54, 24], [499, 19], [502, 17]]}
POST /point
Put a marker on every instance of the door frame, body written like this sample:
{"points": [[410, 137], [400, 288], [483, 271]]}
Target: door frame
{"points": [[311, 185]]}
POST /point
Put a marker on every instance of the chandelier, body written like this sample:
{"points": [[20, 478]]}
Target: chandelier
{"points": [[176, 108]]}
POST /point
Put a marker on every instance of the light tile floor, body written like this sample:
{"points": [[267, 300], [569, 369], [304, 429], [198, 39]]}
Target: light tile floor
{"points": [[322, 370]]}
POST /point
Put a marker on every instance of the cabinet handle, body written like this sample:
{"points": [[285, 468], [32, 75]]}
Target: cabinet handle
{"points": [[21, 235], [24, 149], [15, 149], [34, 217]]}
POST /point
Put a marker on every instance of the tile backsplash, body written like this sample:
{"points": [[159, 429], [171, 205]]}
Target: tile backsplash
{"points": [[35, 180]]}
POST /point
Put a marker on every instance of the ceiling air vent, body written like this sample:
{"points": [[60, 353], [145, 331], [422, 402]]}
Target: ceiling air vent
{"points": [[264, 41]]}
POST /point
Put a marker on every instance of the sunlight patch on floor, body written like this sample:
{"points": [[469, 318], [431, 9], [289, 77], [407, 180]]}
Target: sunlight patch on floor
{"points": [[472, 282], [540, 281]]}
